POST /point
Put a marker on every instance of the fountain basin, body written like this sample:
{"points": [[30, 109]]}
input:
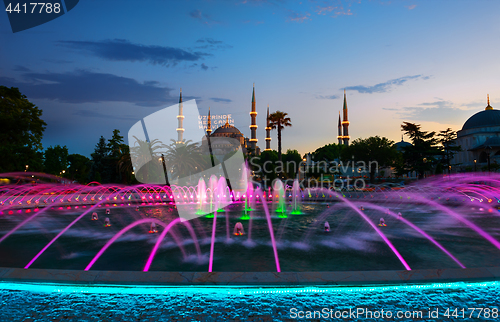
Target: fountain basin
{"points": [[340, 278]]}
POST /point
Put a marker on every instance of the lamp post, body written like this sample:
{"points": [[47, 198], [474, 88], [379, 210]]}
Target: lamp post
{"points": [[304, 163], [162, 160], [475, 165], [26, 168]]}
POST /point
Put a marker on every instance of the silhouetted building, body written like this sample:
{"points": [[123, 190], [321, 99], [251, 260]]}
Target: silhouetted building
{"points": [[479, 139]]}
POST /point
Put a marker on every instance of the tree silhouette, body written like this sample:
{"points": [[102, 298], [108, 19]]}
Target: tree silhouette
{"points": [[21, 131], [147, 155], [184, 159], [278, 121]]}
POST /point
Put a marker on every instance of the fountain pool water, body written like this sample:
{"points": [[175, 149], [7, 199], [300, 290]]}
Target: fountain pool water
{"points": [[437, 229], [445, 225]]}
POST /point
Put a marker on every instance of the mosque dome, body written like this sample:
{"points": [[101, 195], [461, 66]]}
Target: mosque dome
{"points": [[401, 145], [487, 118], [227, 129]]}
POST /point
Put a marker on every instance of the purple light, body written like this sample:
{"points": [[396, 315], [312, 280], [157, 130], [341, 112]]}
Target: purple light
{"points": [[212, 244], [158, 242]]}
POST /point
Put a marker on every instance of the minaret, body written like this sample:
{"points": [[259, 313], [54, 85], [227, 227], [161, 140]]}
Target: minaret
{"points": [[268, 132], [345, 123], [253, 125], [209, 126], [339, 137], [180, 119]]}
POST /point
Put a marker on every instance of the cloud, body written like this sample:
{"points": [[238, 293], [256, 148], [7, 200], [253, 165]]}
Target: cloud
{"points": [[58, 61], [83, 86], [220, 100], [202, 17], [195, 14], [210, 43], [411, 7], [123, 50], [327, 97], [325, 10], [204, 67], [439, 103], [343, 12], [298, 17], [19, 68], [336, 9], [390, 109], [442, 112], [386, 86]]}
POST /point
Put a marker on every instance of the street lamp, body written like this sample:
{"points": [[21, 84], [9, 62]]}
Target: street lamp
{"points": [[475, 165], [26, 168], [304, 163]]}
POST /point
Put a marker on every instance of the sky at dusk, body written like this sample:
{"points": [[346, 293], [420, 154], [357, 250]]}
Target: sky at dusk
{"points": [[106, 64]]}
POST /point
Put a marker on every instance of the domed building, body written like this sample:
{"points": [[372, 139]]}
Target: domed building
{"points": [[479, 139], [225, 139], [402, 144], [229, 131]]}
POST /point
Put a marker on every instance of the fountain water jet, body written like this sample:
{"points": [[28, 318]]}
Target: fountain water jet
{"points": [[296, 198], [420, 231], [271, 233], [279, 198], [381, 234]]}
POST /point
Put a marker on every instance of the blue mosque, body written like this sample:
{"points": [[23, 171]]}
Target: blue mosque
{"points": [[479, 139]]}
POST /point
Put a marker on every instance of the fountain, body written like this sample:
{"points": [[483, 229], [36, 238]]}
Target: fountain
{"points": [[278, 197], [296, 198], [153, 229], [238, 229], [202, 196], [212, 195], [448, 225]]}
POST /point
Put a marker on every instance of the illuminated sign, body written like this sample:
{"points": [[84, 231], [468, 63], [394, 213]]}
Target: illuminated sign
{"points": [[216, 121]]}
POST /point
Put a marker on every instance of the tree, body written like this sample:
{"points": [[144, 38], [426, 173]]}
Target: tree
{"points": [[422, 154], [21, 132], [116, 148], [142, 153], [55, 159], [328, 152], [447, 139], [184, 158], [99, 161], [278, 121], [375, 148], [125, 167], [292, 162], [79, 167], [265, 165]]}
